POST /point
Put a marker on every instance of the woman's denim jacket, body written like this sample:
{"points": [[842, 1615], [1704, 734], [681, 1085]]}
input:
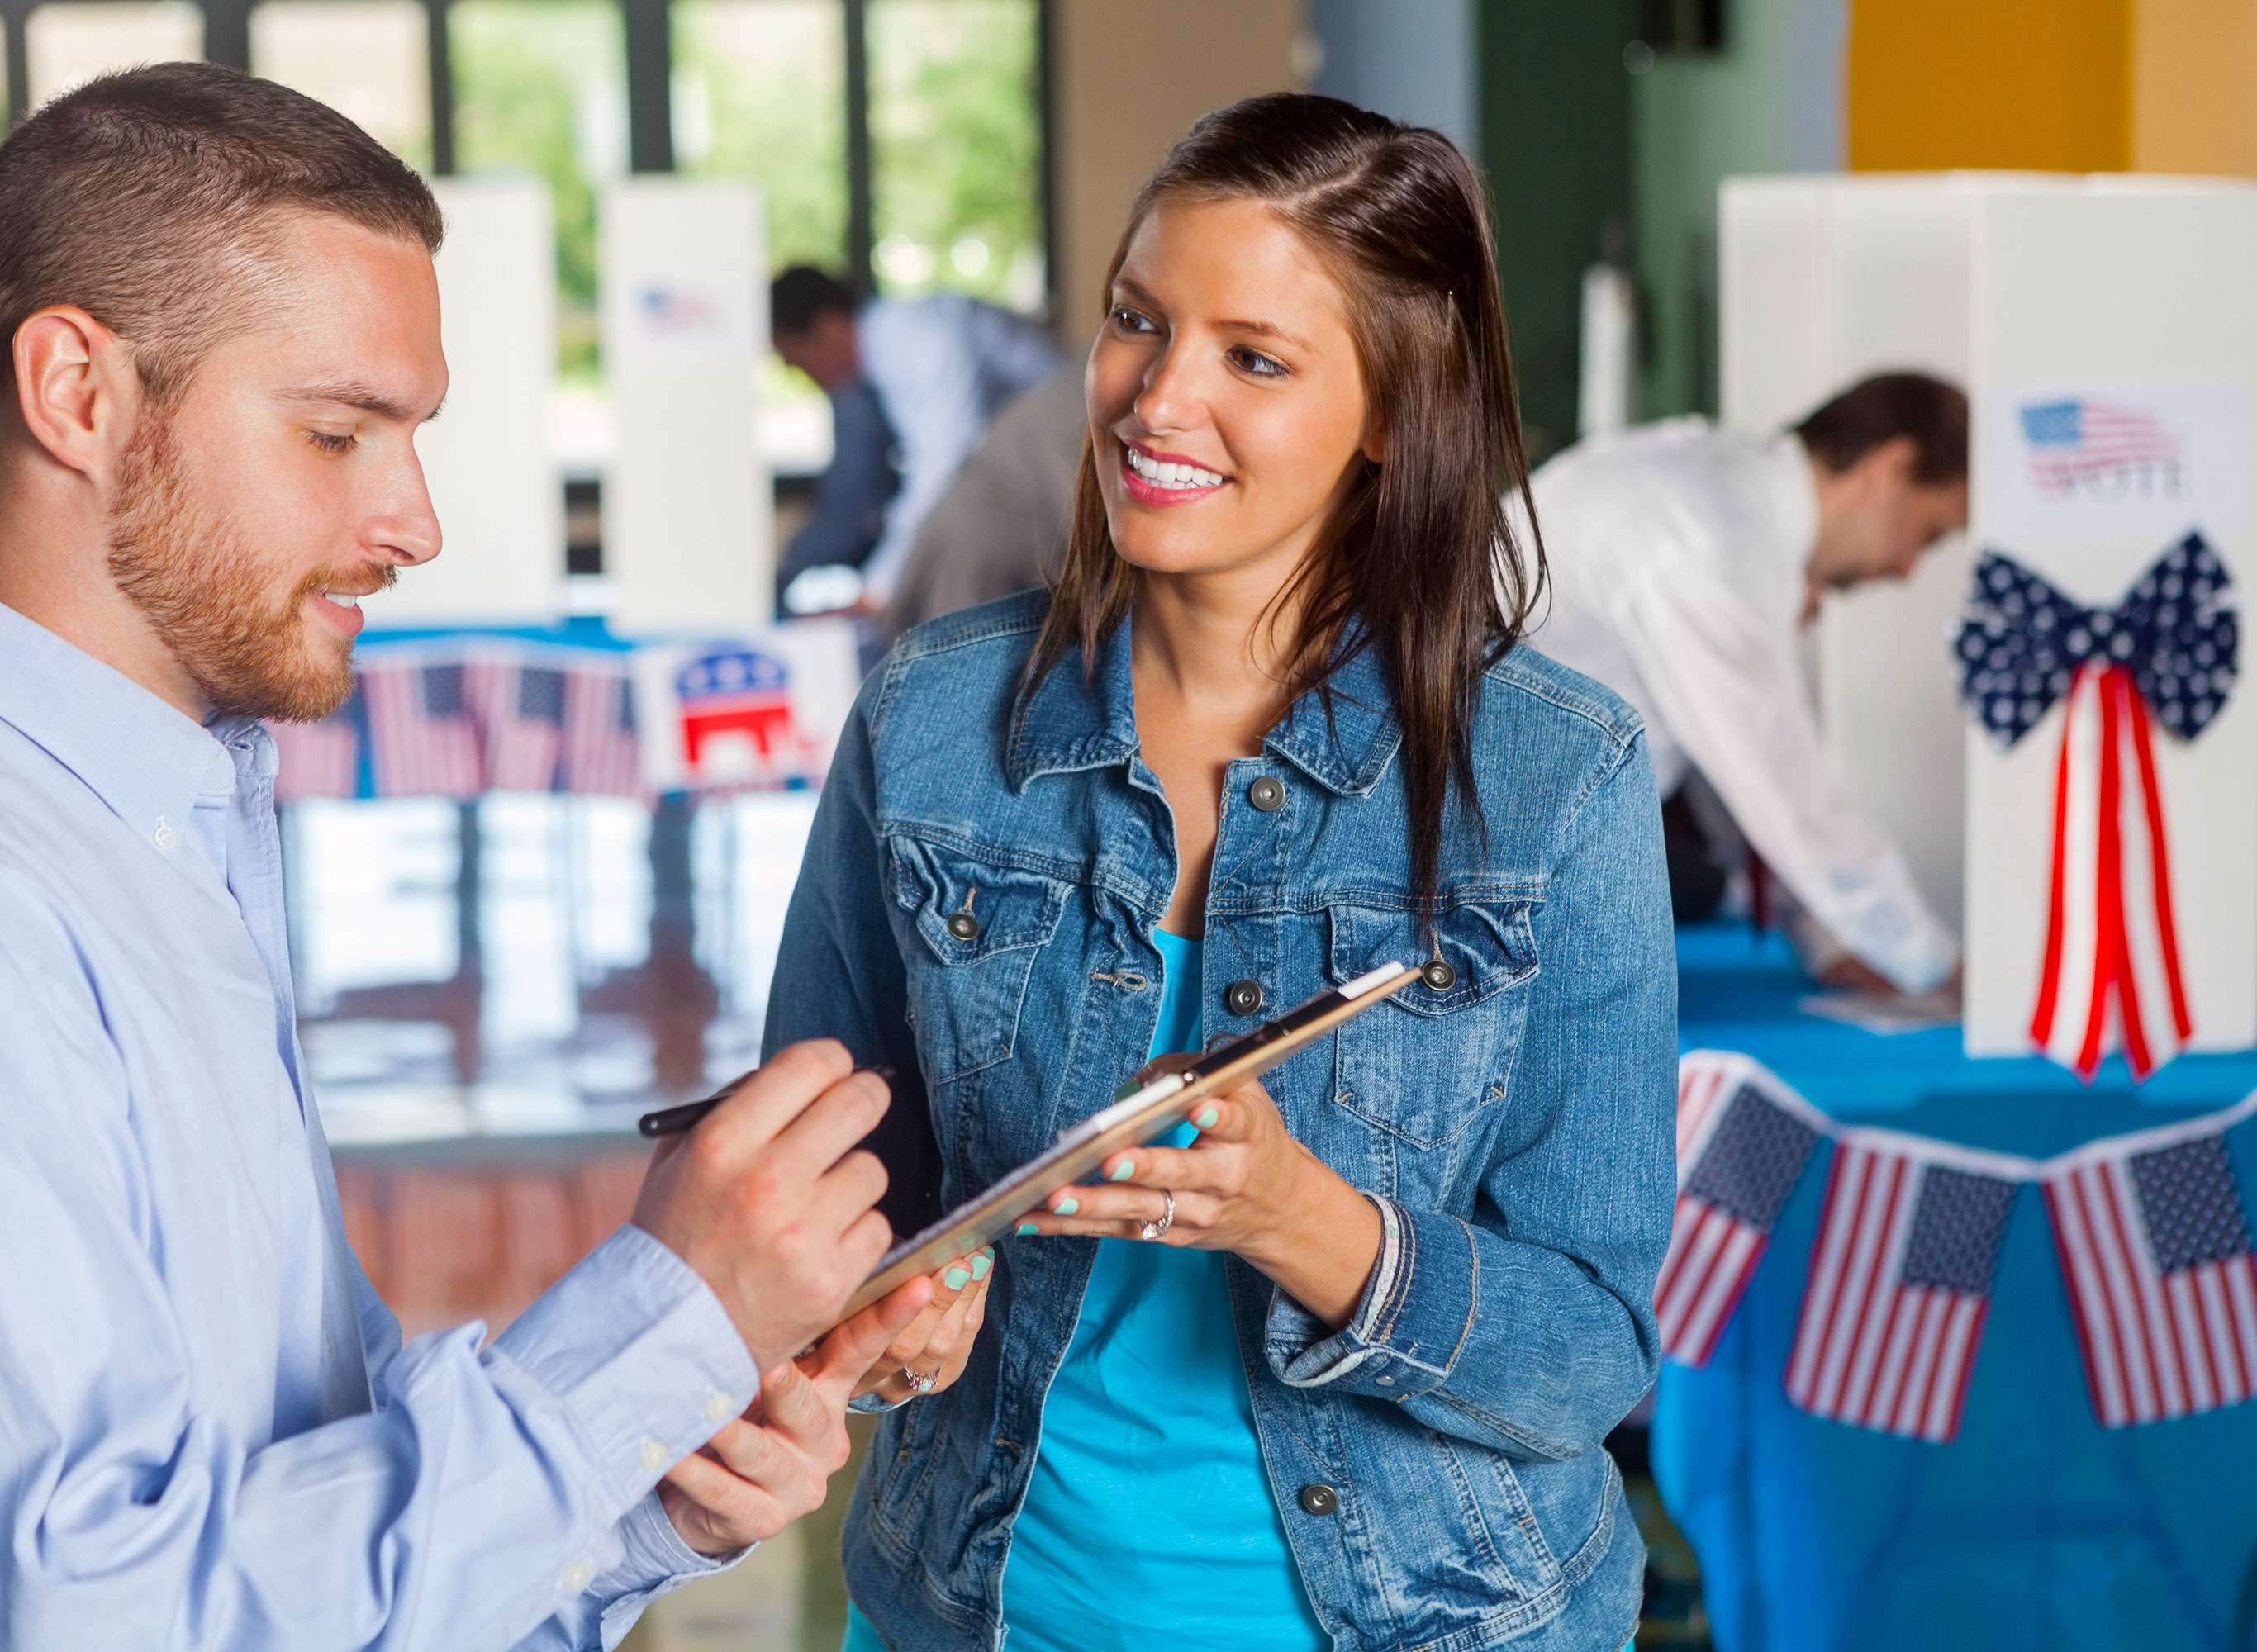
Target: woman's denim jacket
{"points": [[1513, 1120]]}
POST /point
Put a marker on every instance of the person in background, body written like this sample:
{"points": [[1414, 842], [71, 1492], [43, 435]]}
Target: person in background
{"points": [[1002, 526], [914, 383], [1686, 560], [222, 332]]}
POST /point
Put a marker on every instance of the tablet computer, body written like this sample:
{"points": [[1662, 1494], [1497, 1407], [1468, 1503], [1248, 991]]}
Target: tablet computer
{"points": [[1136, 1118]]}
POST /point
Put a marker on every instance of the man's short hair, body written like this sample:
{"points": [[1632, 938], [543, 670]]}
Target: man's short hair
{"points": [[803, 294], [148, 199], [1931, 413]]}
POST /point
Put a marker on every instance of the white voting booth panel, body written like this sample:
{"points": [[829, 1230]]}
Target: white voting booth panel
{"points": [[486, 457], [1825, 280], [688, 517], [2138, 292]]}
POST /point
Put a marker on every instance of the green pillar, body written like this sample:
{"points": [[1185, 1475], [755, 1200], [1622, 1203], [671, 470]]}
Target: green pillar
{"points": [[1555, 140]]}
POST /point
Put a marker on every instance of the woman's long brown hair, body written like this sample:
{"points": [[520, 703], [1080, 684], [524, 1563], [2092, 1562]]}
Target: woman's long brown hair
{"points": [[1419, 561]]}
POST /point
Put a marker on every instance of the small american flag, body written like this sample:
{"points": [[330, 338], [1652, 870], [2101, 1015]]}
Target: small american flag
{"points": [[519, 710], [2078, 440], [601, 757], [1736, 1163], [2155, 1248], [1899, 1286], [320, 760], [422, 740]]}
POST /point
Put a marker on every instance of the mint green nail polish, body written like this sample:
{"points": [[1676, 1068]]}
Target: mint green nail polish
{"points": [[1128, 1168], [1027, 1227], [1068, 1206], [980, 1264], [1205, 1120], [956, 1279]]}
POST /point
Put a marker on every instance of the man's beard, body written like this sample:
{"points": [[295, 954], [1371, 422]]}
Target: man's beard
{"points": [[180, 558]]}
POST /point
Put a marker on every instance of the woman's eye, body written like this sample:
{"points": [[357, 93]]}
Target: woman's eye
{"points": [[329, 443], [1254, 362], [1128, 320]]}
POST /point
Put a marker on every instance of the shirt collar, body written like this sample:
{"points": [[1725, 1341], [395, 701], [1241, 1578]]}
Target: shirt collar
{"points": [[1072, 722], [145, 760]]}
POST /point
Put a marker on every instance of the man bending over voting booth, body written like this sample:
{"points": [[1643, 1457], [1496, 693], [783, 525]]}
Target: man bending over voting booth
{"points": [[1685, 559]]}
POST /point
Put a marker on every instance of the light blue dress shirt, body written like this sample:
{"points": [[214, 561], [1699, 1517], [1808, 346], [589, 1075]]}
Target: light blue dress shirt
{"points": [[210, 1435]]}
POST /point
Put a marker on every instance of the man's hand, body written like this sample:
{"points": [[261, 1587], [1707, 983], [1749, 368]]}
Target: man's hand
{"points": [[767, 1468], [769, 1202]]}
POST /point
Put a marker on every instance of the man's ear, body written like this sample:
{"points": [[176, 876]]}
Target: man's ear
{"points": [[1891, 463], [76, 389]]}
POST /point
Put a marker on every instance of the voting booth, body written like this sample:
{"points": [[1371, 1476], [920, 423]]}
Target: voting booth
{"points": [[1957, 1322], [2105, 329]]}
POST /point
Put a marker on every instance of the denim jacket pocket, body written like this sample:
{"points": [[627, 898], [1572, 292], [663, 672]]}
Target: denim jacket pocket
{"points": [[982, 922], [1464, 1004]]}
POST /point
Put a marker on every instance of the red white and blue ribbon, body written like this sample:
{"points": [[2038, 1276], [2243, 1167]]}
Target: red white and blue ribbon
{"points": [[2112, 977]]}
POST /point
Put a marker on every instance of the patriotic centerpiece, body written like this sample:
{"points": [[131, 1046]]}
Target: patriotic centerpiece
{"points": [[2151, 1229], [2112, 977]]}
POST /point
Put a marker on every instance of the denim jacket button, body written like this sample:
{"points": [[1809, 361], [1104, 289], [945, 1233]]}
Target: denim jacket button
{"points": [[1440, 976], [1267, 793], [1319, 1500], [964, 926], [1242, 998]]}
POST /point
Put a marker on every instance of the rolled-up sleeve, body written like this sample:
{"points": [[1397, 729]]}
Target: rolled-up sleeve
{"points": [[1527, 1324]]}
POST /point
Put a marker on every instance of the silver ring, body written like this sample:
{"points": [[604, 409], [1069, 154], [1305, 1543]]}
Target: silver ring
{"points": [[1159, 1229], [920, 1381]]}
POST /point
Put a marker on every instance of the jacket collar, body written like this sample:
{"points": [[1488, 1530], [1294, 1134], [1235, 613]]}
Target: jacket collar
{"points": [[1072, 724], [143, 759]]}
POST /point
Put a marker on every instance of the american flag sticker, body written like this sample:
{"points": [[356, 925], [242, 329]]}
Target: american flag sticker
{"points": [[1747, 1153], [1899, 1289], [2084, 441], [2154, 1244]]}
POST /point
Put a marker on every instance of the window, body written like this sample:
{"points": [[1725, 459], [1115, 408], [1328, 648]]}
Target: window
{"points": [[370, 59], [68, 46], [540, 87]]}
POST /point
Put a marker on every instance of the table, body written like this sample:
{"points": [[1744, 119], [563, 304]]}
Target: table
{"points": [[2035, 1529]]}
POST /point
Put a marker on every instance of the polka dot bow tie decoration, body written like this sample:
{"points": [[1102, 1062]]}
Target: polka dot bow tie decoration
{"points": [[2169, 652], [2022, 641]]}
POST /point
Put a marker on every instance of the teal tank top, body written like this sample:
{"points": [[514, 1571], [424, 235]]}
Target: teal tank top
{"points": [[1149, 1520]]}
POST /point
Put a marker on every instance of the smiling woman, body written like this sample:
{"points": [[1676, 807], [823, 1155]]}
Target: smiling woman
{"points": [[1332, 1365]]}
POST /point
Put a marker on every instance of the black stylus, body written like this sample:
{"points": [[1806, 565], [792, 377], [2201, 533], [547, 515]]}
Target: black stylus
{"points": [[672, 1121]]}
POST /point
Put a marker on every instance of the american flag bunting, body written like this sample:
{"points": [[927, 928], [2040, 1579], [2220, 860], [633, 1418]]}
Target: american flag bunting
{"points": [[1900, 1285]]}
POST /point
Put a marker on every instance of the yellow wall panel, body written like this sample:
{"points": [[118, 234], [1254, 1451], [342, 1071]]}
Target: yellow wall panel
{"points": [[2194, 86], [2036, 84]]}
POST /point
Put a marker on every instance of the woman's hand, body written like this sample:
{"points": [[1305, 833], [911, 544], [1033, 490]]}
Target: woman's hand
{"points": [[1245, 1185], [938, 1343], [773, 1464]]}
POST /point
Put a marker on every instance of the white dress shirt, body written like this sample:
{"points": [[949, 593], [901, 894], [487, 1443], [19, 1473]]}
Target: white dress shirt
{"points": [[942, 366], [210, 1435], [1679, 556]]}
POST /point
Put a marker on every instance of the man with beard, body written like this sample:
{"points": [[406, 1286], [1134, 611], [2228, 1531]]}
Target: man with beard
{"points": [[223, 332]]}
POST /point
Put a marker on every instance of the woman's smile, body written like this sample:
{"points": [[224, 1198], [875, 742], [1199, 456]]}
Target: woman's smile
{"points": [[1155, 479]]}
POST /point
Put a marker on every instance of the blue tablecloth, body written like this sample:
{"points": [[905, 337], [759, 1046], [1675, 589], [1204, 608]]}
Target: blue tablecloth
{"points": [[2035, 1529]]}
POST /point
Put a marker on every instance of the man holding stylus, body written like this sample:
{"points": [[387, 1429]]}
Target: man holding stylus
{"points": [[222, 333]]}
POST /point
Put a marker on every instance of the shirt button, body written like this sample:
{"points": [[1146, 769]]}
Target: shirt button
{"points": [[1242, 998], [719, 1405], [576, 1576], [1267, 793], [1319, 1500], [164, 834], [1440, 976], [654, 1455], [964, 926]]}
